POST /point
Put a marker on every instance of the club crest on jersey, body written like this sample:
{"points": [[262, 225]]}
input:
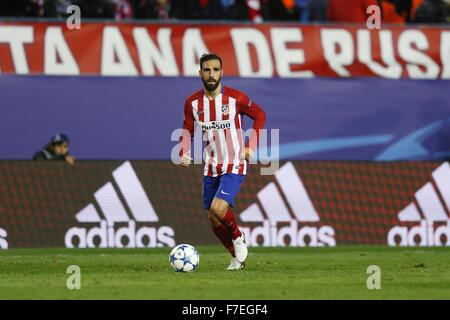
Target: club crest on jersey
{"points": [[225, 110]]}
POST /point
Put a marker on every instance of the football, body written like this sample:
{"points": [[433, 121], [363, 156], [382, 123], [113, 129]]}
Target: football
{"points": [[184, 258]]}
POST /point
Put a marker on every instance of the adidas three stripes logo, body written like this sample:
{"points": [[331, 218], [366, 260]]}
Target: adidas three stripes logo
{"points": [[112, 207]]}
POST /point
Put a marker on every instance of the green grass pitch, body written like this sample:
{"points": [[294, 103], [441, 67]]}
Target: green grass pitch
{"points": [[271, 273]]}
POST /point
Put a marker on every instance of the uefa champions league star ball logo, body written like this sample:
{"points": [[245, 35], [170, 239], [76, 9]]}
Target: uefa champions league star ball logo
{"points": [[184, 258]]}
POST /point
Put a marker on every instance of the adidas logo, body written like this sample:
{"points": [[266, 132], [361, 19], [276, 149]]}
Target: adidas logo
{"points": [[3, 241], [277, 211], [114, 211], [433, 206]]}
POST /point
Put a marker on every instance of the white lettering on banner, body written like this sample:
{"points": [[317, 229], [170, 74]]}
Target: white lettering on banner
{"points": [[445, 54], [150, 56], [421, 235], [114, 46], [433, 210], [284, 57], [276, 210], [56, 46], [129, 236], [3, 241], [392, 68], [338, 59], [16, 37], [306, 236], [242, 39], [258, 51], [193, 48], [407, 42]]}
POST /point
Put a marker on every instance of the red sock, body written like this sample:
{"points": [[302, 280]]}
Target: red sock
{"points": [[224, 236], [230, 223]]}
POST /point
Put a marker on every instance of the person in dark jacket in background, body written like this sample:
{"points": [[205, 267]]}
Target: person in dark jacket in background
{"points": [[432, 11], [318, 10], [56, 149]]}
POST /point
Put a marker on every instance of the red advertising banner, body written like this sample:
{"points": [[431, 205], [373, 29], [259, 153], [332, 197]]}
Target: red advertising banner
{"points": [[155, 204], [257, 51]]}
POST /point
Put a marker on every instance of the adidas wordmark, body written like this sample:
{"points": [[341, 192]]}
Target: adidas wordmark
{"points": [[433, 209], [276, 210]]}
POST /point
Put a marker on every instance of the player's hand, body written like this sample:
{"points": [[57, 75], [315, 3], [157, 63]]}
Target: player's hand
{"points": [[186, 159], [248, 154], [70, 160]]}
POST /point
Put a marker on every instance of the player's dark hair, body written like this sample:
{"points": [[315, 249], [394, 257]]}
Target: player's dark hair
{"points": [[209, 56]]}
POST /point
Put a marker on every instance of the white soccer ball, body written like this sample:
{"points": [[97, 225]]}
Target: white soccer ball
{"points": [[184, 258]]}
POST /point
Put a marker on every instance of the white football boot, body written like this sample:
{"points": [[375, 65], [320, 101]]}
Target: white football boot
{"points": [[235, 264], [240, 248]]}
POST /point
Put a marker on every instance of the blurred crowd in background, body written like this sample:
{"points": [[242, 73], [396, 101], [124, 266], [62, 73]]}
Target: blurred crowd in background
{"points": [[341, 11]]}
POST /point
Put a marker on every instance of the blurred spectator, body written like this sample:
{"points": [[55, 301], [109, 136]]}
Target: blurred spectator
{"points": [[280, 10], [303, 7], [29, 8], [196, 9], [341, 11], [254, 10], [61, 8], [431, 11], [43, 8], [152, 9], [235, 10], [18, 8], [391, 13], [318, 10], [123, 9], [448, 10], [105, 9], [144, 9], [56, 149], [399, 11]]}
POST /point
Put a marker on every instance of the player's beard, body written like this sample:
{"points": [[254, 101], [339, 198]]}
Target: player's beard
{"points": [[211, 86]]}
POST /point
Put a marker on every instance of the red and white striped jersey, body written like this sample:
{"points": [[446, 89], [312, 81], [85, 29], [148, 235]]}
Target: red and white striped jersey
{"points": [[222, 126]]}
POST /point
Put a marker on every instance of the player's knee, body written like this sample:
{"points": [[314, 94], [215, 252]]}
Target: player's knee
{"points": [[218, 209]]}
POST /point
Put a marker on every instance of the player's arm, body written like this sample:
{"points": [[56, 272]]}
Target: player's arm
{"points": [[188, 134], [254, 111]]}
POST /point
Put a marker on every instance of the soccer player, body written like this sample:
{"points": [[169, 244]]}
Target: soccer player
{"points": [[218, 109]]}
